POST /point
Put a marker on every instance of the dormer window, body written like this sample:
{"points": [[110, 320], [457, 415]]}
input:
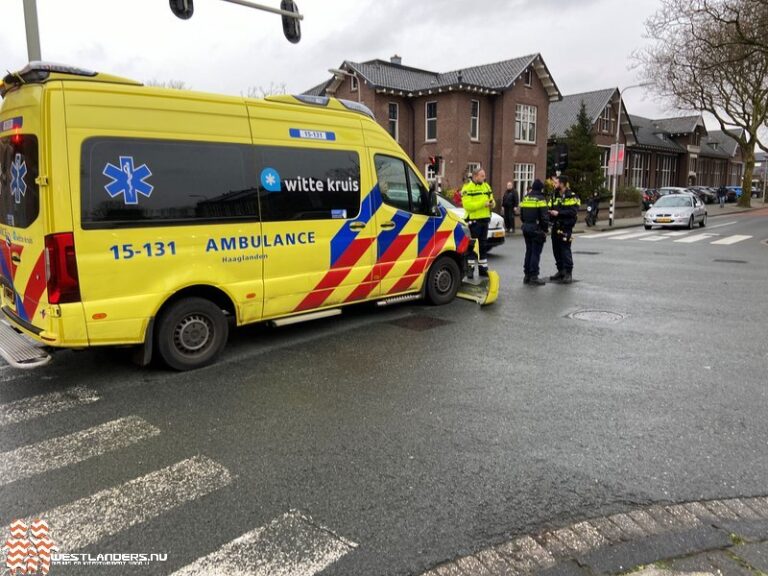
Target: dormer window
{"points": [[528, 77], [353, 83]]}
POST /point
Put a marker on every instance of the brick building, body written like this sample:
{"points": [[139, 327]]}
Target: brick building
{"points": [[663, 152], [494, 115]]}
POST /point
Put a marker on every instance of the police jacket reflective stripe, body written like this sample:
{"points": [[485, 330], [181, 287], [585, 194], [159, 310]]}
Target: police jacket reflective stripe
{"points": [[533, 211], [567, 207], [474, 198]]}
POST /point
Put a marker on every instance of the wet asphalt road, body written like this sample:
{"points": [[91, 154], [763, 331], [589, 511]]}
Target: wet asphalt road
{"points": [[423, 433]]}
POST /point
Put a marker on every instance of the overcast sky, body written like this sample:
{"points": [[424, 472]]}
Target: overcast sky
{"points": [[227, 48]]}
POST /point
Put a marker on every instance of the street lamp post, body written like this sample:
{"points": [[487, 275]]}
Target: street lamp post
{"points": [[33, 31], [616, 158]]}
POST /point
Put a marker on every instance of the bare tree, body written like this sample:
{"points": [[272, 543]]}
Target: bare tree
{"points": [[272, 90], [712, 56], [173, 84]]}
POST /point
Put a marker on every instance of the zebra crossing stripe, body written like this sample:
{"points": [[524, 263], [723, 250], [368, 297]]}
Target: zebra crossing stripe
{"points": [[60, 452], [696, 238], [603, 234], [45, 404], [732, 239], [654, 238], [291, 545], [105, 513], [633, 235]]}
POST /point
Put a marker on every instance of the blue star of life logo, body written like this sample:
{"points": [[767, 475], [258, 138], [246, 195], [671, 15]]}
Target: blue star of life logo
{"points": [[128, 180], [18, 172]]}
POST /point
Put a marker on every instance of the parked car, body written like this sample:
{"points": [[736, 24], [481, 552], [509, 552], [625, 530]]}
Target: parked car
{"points": [[707, 195], [677, 209], [672, 190], [650, 195], [495, 227], [757, 192], [734, 193]]}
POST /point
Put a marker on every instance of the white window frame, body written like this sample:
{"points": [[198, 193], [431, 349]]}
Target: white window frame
{"points": [[640, 163], [396, 120], [605, 156], [528, 77], [427, 120], [430, 175], [474, 120], [471, 168], [606, 120], [353, 83], [524, 177], [667, 166], [525, 123]]}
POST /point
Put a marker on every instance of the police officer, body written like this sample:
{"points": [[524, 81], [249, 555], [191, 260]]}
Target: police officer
{"points": [[564, 207], [535, 219], [477, 200]]}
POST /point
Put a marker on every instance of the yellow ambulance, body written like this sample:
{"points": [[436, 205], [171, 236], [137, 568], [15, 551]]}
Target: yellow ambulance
{"points": [[132, 215]]}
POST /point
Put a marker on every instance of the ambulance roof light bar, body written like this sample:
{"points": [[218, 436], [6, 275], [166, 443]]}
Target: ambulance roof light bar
{"points": [[288, 10]]}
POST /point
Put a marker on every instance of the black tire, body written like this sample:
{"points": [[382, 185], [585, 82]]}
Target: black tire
{"points": [[703, 221], [191, 334], [647, 227], [443, 281], [690, 223]]}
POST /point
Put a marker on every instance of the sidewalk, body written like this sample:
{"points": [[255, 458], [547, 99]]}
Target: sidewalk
{"points": [[717, 537]]}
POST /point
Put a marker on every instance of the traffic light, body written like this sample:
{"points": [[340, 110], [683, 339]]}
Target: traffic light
{"points": [[291, 26], [182, 8]]}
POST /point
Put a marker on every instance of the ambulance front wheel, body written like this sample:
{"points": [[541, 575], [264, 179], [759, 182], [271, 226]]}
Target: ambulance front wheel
{"points": [[191, 334], [443, 281]]}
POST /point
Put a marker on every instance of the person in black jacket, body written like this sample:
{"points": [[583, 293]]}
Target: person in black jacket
{"points": [[564, 207], [510, 202], [535, 225]]}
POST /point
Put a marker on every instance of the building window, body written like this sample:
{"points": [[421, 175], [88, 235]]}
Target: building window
{"points": [[525, 123], [431, 112], [524, 174], [605, 155], [353, 83], [606, 120], [474, 123], [666, 172], [639, 170], [528, 77], [693, 165], [471, 167], [394, 117], [430, 174]]}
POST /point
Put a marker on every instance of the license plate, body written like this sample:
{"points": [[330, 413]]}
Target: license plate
{"points": [[498, 234], [664, 220]]}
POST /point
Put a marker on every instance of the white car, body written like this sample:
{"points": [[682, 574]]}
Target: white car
{"points": [[676, 209], [495, 226]]}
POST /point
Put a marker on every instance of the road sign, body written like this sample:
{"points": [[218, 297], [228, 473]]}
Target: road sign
{"points": [[616, 160]]}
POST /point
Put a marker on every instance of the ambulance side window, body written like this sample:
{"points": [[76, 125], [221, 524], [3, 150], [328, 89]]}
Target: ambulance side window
{"points": [[307, 183], [400, 187]]}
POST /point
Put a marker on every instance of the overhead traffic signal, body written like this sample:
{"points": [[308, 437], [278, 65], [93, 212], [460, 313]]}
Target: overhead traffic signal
{"points": [[182, 8]]}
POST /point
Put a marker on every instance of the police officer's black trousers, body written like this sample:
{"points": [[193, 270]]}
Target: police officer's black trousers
{"points": [[509, 218], [561, 249], [479, 230], [534, 243]]}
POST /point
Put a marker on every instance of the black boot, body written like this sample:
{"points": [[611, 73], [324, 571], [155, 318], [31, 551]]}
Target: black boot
{"points": [[526, 279], [536, 281], [567, 278], [557, 277], [483, 272]]}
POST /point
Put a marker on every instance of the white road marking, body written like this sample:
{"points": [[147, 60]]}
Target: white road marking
{"points": [[85, 521], [45, 404], [292, 545], [721, 225], [732, 239], [696, 238], [633, 235], [676, 234], [604, 234], [654, 239], [60, 452]]}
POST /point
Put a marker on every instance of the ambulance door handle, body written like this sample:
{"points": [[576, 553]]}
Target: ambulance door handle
{"points": [[357, 225], [388, 225], [15, 259]]}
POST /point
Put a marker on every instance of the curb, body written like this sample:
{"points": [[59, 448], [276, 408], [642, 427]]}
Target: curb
{"points": [[617, 543]]}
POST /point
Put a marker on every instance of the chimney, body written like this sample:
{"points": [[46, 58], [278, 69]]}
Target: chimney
{"points": [[396, 59]]}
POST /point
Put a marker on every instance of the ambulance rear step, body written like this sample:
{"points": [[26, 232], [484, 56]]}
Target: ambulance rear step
{"points": [[398, 299], [19, 351]]}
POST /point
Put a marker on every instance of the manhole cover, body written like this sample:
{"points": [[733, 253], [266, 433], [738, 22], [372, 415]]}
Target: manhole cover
{"points": [[419, 323], [730, 261], [604, 316]]}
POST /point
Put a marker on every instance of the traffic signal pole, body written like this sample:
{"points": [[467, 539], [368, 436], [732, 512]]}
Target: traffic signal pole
{"points": [[33, 30]]}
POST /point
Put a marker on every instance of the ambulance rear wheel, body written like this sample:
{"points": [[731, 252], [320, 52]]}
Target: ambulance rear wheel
{"points": [[443, 281], [191, 334]]}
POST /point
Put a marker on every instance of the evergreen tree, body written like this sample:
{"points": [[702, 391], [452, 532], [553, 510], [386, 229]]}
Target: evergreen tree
{"points": [[584, 166]]}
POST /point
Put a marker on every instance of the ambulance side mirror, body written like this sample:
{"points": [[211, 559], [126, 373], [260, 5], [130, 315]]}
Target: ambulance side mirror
{"points": [[291, 26], [182, 8]]}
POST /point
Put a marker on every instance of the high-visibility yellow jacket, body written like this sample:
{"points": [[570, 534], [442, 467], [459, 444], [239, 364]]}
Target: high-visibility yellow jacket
{"points": [[474, 198]]}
